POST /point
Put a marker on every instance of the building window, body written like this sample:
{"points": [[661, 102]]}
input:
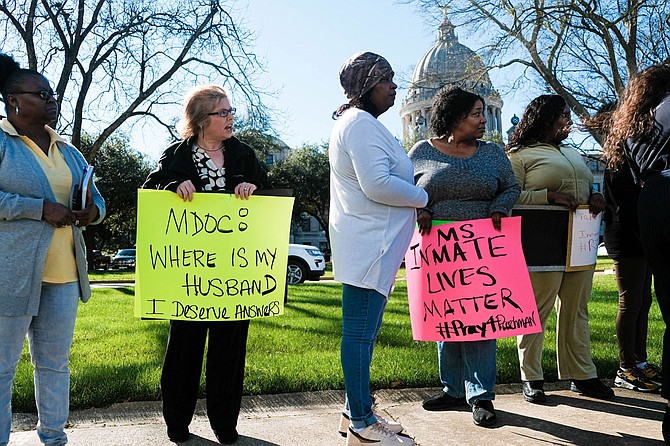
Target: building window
{"points": [[305, 222], [596, 187]]}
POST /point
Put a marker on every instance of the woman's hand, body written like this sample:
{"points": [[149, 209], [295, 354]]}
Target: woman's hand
{"points": [[244, 190], [87, 215], [496, 218], [564, 199], [57, 214], [186, 190], [425, 222], [596, 203]]}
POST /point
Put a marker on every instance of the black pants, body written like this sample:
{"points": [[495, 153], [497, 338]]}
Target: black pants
{"points": [[654, 218], [633, 278], [224, 374]]}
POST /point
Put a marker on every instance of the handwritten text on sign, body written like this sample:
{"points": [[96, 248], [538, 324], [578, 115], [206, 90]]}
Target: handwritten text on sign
{"points": [[584, 234], [468, 282], [215, 258]]}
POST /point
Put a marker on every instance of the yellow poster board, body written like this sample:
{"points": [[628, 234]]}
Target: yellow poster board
{"points": [[214, 258]]}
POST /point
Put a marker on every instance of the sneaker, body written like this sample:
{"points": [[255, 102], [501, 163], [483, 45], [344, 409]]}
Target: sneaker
{"points": [[378, 435], [533, 391], [483, 413], [634, 379], [443, 401], [652, 373], [391, 425], [593, 388]]}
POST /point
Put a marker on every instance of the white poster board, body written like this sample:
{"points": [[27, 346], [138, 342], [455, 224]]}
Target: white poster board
{"points": [[583, 238]]}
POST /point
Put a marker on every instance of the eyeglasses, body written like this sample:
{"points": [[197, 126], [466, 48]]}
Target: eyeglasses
{"points": [[224, 112], [43, 94]]}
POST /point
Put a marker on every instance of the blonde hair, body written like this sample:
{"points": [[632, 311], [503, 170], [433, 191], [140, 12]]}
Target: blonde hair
{"points": [[198, 103]]}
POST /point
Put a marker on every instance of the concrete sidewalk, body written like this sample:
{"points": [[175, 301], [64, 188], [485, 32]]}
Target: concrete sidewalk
{"points": [[630, 418]]}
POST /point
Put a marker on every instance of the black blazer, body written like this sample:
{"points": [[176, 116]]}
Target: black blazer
{"points": [[176, 166]]}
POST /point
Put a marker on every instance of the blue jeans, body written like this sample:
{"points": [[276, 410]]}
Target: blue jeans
{"points": [[468, 369], [362, 312], [50, 337]]}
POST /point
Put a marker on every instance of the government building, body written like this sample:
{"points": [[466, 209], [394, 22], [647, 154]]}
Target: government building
{"points": [[447, 63]]}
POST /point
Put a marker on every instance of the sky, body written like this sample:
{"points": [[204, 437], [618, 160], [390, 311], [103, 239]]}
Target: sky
{"points": [[303, 43]]}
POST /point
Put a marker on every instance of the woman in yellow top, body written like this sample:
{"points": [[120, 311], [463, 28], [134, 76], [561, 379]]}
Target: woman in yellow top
{"points": [[44, 270], [552, 172]]}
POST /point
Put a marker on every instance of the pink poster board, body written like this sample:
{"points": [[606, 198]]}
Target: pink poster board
{"points": [[468, 282]]}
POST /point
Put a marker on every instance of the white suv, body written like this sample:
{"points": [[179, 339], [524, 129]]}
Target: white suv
{"points": [[305, 262]]}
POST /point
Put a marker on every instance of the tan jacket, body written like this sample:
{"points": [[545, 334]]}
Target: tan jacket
{"points": [[541, 168]]}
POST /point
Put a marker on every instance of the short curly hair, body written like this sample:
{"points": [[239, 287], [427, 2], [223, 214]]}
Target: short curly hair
{"points": [[537, 121], [451, 106]]}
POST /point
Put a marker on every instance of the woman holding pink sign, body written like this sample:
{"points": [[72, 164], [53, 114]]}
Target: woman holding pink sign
{"points": [[552, 172], [466, 179]]}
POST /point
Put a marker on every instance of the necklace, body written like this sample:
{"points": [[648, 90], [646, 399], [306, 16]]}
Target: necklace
{"points": [[209, 150]]}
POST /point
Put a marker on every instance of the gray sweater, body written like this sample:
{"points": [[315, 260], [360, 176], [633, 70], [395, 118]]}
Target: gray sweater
{"points": [[24, 236], [465, 188]]}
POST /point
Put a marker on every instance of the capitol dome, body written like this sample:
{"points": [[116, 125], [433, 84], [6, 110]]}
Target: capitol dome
{"points": [[447, 63]]}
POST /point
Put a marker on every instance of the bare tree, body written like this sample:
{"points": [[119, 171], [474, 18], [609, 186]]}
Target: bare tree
{"points": [[584, 50], [116, 60]]}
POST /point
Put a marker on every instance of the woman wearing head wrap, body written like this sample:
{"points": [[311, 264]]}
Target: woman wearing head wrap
{"points": [[373, 203]]}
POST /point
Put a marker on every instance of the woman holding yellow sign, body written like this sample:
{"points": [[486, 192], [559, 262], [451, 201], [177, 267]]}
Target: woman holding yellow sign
{"points": [[208, 159], [552, 172]]}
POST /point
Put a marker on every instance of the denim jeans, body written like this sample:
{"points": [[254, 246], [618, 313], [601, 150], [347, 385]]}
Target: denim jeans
{"points": [[362, 312], [468, 369], [50, 337]]}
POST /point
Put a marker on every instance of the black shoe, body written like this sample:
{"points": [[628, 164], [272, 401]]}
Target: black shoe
{"points": [[593, 388], [226, 436], [483, 413], [533, 391], [666, 425], [443, 401], [178, 435]]}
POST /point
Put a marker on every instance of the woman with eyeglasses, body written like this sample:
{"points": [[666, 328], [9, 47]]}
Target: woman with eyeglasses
{"points": [[551, 172], [44, 272], [208, 159]]}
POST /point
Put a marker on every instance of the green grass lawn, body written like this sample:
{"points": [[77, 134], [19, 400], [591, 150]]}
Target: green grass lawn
{"points": [[116, 357], [604, 263], [102, 275]]}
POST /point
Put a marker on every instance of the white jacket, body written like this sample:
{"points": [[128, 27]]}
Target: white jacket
{"points": [[373, 202]]}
